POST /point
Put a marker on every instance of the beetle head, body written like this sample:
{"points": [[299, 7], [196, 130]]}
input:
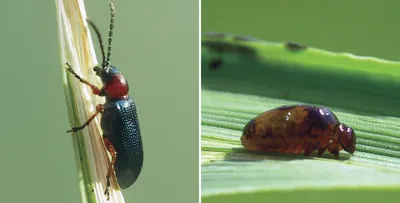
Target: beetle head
{"points": [[105, 73], [347, 138]]}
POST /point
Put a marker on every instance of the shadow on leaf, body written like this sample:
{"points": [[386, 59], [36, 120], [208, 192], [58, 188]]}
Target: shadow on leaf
{"points": [[241, 154]]}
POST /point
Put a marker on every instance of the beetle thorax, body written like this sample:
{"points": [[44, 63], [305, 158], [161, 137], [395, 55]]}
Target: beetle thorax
{"points": [[116, 87]]}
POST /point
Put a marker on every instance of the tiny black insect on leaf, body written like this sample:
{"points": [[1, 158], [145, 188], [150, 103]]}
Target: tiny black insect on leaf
{"points": [[293, 46]]}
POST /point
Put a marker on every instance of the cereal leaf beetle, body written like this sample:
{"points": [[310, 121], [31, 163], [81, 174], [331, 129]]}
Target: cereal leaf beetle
{"points": [[119, 121]]}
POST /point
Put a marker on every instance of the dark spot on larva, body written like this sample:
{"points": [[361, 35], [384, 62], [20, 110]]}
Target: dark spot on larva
{"points": [[268, 133], [244, 38], [292, 46], [321, 118]]}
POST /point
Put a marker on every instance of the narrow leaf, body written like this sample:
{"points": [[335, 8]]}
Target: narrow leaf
{"points": [[76, 48]]}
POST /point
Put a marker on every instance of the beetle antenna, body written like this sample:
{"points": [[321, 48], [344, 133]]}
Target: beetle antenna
{"points": [[110, 31], [100, 40]]}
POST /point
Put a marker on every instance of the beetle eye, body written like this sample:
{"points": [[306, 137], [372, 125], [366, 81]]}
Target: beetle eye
{"points": [[97, 70]]}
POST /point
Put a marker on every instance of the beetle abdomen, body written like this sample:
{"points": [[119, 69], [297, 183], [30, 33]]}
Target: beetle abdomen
{"points": [[121, 126]]}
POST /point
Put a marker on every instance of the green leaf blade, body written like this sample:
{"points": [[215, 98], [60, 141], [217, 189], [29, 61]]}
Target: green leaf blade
{"points": [[361, 91]]}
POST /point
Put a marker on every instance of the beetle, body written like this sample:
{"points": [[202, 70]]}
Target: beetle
{"points": [[119, 120], [298, 129]]}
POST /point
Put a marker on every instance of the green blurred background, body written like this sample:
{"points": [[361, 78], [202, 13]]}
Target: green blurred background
{"points": [[360, 27], [155, 45]]}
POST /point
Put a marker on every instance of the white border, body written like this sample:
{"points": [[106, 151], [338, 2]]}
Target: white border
{"points": [[199, 101]]}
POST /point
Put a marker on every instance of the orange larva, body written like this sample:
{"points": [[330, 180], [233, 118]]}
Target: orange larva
{"points": [[298, 129]]}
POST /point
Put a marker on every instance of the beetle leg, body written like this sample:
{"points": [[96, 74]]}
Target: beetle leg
{"points": [[335, 151], [308, 151], [99, 109], [113, 153], [321, 151], [95, 89], [312, 147]]}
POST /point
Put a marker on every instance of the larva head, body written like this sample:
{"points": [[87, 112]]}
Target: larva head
{"points": [[249, 129], [347, 138], [248, 138]]}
